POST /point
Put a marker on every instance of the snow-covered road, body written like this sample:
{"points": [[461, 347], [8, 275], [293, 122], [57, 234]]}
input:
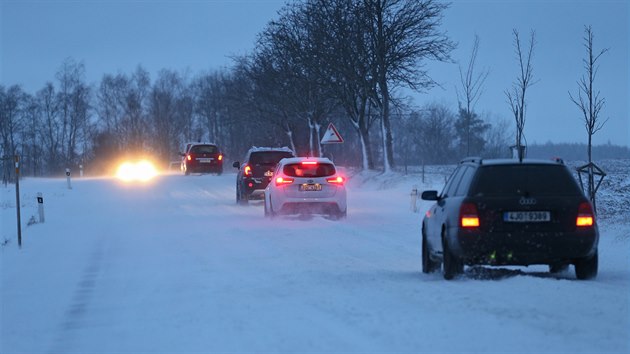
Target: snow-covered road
{"points": [[177, 266]]}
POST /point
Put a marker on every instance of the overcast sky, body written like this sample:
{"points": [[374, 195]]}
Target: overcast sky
{"points": [[200, 35]]}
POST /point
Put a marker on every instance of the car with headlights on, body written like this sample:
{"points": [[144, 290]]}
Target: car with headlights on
{"points": [[510, 212], [202, 158], [254, 173], [306, 185]]}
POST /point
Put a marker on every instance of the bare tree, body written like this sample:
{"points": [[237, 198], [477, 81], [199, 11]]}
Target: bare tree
{"points": [[588, 100], [11, 123], [402, 35], [472, 85], [516, 97], [590, 103]]}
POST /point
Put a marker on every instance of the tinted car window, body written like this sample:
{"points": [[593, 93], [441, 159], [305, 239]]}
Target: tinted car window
{"points": [[467, 176], [451, 186], [268, 157], [301, 170], [538, 180], [204, 149]]}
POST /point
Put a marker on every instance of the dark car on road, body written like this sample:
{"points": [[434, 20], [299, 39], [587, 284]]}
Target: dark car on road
{"points": [[202, 158], [255, 172], [506, 212]]}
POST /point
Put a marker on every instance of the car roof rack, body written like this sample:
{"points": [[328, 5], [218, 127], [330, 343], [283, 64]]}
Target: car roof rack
{"points": [[472, 159]]}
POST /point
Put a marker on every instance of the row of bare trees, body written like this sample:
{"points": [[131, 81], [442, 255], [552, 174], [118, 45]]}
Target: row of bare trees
{"points": [[321, 61]]}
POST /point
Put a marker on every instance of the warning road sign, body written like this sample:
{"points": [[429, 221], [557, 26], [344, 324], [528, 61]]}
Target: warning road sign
{"points": [[331, 136]]}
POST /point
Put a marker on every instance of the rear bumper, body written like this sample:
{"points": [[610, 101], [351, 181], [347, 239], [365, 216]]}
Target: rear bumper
{"points": [[205, 167], [335, 205], [524, 248], [254, 187]]}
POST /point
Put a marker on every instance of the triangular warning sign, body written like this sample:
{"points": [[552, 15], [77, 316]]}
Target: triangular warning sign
{"points": [[331, 136]]}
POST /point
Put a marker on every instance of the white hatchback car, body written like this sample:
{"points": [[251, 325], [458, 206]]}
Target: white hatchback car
{"points": [[306, 185]]}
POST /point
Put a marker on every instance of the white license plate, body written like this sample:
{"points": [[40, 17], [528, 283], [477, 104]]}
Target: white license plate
{"points": [[205, 159], [310, 187], [527, 216]]}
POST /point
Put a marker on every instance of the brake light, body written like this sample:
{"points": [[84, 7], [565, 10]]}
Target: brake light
{"points": [[309, 162], [283, 180], [188, 157], [468, 215], [220, 157], [585, 215], [335, 180], [247, 171]]}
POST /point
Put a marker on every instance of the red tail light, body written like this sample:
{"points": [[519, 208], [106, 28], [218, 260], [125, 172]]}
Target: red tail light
{"points": [[468, 215], [336, 180], [247, 171], [188, 157], [585, 215], [283, 180], [309, 162], [220, 157]]}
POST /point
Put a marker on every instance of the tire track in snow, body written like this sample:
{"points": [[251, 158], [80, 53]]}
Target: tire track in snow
{"points": [[76, 313]]}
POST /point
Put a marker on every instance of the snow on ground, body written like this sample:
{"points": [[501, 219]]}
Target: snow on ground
{"points": [[177, 266]]}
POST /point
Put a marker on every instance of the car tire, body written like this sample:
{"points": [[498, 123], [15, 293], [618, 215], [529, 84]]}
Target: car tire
{"points": [[241, 199], [451, 264], [586, 268], [428, 265]]}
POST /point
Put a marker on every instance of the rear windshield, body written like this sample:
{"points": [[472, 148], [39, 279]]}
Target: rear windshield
{"points": [[301, 170], [535, 180], [204, 149], [268, 157]]}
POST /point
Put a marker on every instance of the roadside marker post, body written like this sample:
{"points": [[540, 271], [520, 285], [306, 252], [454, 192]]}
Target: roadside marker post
{"points": [[68, 178], [40, 206]]}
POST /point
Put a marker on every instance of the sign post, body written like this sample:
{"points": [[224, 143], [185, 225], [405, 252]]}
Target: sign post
{"points": [[17, 199]]}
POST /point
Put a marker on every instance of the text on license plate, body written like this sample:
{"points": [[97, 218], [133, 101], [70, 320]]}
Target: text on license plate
{"points": [[527, 216], [205, 159], [310, 187]]}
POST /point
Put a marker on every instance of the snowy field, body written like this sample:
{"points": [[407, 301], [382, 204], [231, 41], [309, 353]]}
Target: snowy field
{"points": [[177, 267]]}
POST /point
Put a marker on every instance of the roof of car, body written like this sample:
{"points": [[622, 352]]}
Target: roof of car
{"points": [[199, 143], [482, 162], [290, 160], [264, 148]]}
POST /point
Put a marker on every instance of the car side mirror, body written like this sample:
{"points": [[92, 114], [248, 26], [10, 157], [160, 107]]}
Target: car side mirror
{"points": [[236, 164], [430, 195]]}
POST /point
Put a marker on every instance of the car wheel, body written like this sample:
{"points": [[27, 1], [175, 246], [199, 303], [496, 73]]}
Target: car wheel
{"points": [[586, 268], [428, 265], [270, 212], [451, 265], [241, 198]]}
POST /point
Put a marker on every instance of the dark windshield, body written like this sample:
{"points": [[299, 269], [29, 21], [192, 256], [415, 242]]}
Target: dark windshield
{"points": [[308, 171], [204, 149], [268, 157], [534, 180]]}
